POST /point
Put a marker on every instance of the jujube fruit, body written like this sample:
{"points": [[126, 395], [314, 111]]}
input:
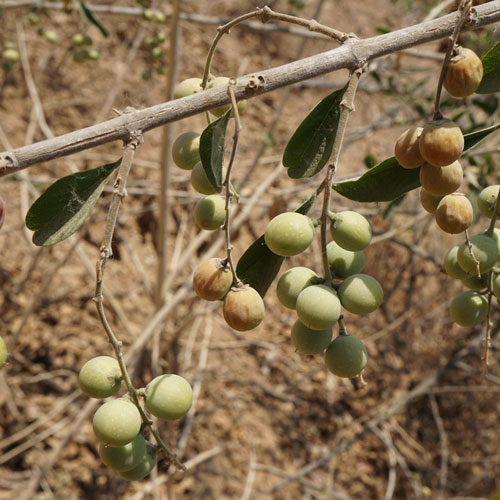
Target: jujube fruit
{"points": [[441, 180], [346, 356], [219, 111], [309, 341], [464, 73], [429, 201], [486, 200], [243, 308], [406, 149], [212, 279], [187, 87], [145, 466], [210, 212], [350, 230], [360, 294], [496, 286], [186, 150], [344, 263], [318, 307], [291, 283], [485, 251], [289, 234], [100, 377], [169, 397], [199, 179], [123, 458], [468, 308], [475, 282], [441, 142], [454, 213], [451, 266]]}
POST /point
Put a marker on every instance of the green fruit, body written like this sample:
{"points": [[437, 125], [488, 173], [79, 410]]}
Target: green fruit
{"points": [[475, 282], [186, 150], [346, 356], [360, 294], [10, 55], [157, 52], [210, 212], [496, 286], [406, 149], [169, 397], [100, 377], [219, 111], [308, 341], [147, 14], [33, 18], [212, 279], [485, 252], [487, 199], [451, 266], [144, 467], [496, 237], [117, 422], [78, 39], [243, 308], [199, 179], [468, 308], [123, 458], [3, 352], [93, 54], [289, 234], [344, 263], [441, 181], [50, 36], [429, 201], [187, 87], [441, 143], [318, 307], [160, 17], [291, 283], [350, 230]]}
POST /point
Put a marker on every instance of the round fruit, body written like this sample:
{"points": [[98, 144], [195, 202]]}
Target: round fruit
{"points": [[318, 307], [93, 54], [487, 199], [10, 55], [360, 294], [496, 237], [441, 142], [344, 263], [100, 377], [406, 149], [346, 356], [308, 341], [123, 458], [485, 251], [243, 308], [169, 397], [289, 234], [50, 36], [475, 282], [212, 279], [464, 73], [210, 212], [454, 213], [117, 422], [451, 266], [496, 286], [219, 111], [429, 201], [350, 230], [200, 182], [186, 150], [3, 352], [291, 283], [78, 39], [441, 180], [145, 466], [468, 308], [187, 87]]}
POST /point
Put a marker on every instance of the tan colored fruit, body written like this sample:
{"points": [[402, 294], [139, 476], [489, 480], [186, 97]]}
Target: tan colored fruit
{"points": [[454, 213], [441, 180], [441, 142], [212, 279], [406, 149], [243, 308], [464, 73], [429, 201]]}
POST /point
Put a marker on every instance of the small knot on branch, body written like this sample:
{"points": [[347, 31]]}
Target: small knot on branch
{"points": [[266, 14]]}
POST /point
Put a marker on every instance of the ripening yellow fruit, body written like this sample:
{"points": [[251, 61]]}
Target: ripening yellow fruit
{"points": [[212, 279], [441, 181], [243, 308], [406, 149], [454, 213], [441, 142], [464, 73]]}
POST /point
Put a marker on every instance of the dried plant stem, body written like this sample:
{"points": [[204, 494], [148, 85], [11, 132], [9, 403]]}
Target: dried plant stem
{"points": [[471, 253]]}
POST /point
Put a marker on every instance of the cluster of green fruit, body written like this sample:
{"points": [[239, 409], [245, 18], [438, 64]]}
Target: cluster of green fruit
{"points": [[156, 16], [155, 55], [82, 51], [118, 423]]}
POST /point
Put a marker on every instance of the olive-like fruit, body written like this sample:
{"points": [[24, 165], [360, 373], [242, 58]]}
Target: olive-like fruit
{"points": [[309, 341], [289, 234], [243, 308], [344, 263], [122, 458], [210, 212], [441, 180], [169, 397], [346, 356], [454, 213], [451, 266], [291, 283], [100, 377], [475, 282], [496, 286], [186, 150], [464, 73], [187, 87], [145, 466], [350, 230], [486, 200], [406, 149], [318, 307], [360, 294], [220, 110], [199, 179], [441, 143], [485, 252], [212, 279], [3, 352], [10, 55], [468, 308], [429, 201]]}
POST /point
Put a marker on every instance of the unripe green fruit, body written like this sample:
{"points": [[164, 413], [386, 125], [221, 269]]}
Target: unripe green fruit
{"points": [[100, 377], [309, 341], [160, 17], [406, 149], [451, 266], [344, 263], [464, 73], [212, 279], [468, 308], [199, 179], [50, 36], [291, 283], [496, 237], [318, 307], [360, 294], [147, 14], [441, 143], [441, 180], [210, 212], [93, 54], [289, 234], [346, 356], [169, 397], [157, 52], [117, 422], [123, 458], [3, 352], [496, 286], [33, 18], [219, 111], [429, 201], [485, 252], [10, 55], [78, 39], [487, 199], [186, 150], [454, 213], [475, 282], [145, 466], [187, 87], [350, 230], [243, 308]]}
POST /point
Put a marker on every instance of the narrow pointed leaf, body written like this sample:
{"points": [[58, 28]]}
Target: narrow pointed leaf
{"points": [[212, 150], [491, 71], [311, 145], [91, 18], [66, 204]]}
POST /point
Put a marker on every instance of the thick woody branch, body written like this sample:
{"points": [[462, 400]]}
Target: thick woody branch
{"points": [[349, 55]]}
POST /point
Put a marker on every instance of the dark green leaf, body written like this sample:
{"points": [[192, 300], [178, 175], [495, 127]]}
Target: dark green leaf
{"points": [[66, 204], [91, 18], [212, 150], [491, 71], [311, 145], [475, 137], [393, 206]]}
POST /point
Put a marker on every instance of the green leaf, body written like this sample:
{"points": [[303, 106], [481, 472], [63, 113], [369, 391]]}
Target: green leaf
{"points": [[66, 204], [311, 145], [491, 71], [389, 180], [212, 150], [91, 18]]}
